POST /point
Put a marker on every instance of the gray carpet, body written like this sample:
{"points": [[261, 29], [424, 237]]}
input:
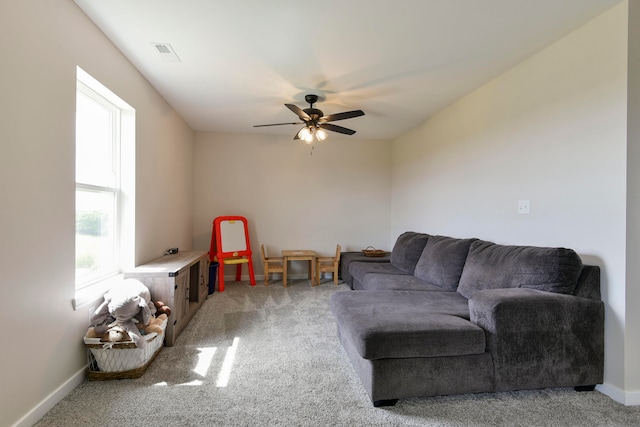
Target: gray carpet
{"points": [[289, 370]]}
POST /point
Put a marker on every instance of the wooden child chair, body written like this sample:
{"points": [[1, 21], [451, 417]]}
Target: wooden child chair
{"points": [[328, 265], [271, 265]]}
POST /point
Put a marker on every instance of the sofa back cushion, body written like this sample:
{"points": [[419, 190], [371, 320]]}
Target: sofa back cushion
{"points": [[407, 250], [491, 266], [442, 261]]}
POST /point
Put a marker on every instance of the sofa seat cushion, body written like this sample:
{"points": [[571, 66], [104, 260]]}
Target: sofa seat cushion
{"points": [[396, 282], [407, 250], [442, 261], [360, 269], [405, 324], [491, 266]]}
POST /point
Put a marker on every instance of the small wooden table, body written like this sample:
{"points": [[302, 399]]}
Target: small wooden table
{"points": [[299, 255]]}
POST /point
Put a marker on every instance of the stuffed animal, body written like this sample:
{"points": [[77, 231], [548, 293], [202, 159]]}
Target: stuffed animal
{"points": [[162, 308], [155, 325], [127, 302], [117, 333], [114, 334]]}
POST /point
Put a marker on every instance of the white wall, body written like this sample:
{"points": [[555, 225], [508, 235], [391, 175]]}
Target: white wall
{"points": [[292, 197], [553, 131], [632, 330], [42, 43]]}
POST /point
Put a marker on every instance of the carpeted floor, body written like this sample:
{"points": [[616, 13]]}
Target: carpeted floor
{"points": [[288, 369]]}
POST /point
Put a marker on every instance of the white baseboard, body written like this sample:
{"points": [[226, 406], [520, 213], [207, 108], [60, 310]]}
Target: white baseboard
{"points": [[633, 398], [50, 401], [628, 398]]}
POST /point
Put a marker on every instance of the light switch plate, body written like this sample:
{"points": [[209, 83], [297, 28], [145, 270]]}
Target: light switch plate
{"points": [[523, 207]]}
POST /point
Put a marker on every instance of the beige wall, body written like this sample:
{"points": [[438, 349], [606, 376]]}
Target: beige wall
{"points": [[292, 197], [553, 130], [42, 43], [632, 297]]}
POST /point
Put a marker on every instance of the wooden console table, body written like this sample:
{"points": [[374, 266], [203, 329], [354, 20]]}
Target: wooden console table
{"points": [[179, 280], [300, 255]]}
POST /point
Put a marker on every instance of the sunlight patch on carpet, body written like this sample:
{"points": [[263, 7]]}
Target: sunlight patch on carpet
{"points": [[225, 371], [204, 360]]}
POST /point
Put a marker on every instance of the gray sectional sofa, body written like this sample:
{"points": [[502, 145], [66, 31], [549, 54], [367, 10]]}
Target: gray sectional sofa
{"points": [[451, 316]]}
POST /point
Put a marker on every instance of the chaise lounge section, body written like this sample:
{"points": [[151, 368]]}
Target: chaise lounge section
{"points": [[450, 316]]}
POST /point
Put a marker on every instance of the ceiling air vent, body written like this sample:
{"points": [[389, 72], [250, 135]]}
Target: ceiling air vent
{"points": [[166, 52]]}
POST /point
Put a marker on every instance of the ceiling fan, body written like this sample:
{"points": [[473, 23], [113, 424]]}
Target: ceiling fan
{"points": [[315, 122]]}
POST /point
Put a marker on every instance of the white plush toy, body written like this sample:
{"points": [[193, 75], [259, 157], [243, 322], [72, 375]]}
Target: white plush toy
{"points": [[125, 304]]}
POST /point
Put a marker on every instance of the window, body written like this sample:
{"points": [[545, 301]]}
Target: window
{"points": [[104, 159]]}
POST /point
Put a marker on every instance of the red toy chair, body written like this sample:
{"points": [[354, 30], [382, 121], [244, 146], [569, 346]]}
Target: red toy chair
{"points": [[230, 245]]}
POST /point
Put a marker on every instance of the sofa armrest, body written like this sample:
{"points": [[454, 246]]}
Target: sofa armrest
{"points": [[540, 339], [346, 258]]}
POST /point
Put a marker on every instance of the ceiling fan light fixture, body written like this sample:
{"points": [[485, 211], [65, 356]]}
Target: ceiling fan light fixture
{"points": [[321, 135], [306, 134], [316, 123]]}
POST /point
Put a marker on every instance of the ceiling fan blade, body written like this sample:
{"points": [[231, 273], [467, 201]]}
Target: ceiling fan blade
{"points": [[297, 136], [299, 112], [277, 124], [341, 116], [336, 128]]}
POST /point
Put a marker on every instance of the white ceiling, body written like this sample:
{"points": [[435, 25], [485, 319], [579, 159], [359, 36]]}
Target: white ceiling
{"points": [[399, 61]]}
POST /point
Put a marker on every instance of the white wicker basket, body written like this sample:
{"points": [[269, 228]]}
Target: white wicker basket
{"points": [[122, 359]]}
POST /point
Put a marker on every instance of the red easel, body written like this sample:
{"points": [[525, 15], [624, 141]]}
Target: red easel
{"points": [[230, 245]]}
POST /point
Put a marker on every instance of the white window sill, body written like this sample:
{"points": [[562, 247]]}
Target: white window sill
{"points": [[94, 294]]}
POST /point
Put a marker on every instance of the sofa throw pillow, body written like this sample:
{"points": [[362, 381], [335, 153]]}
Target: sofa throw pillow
{"points": [[491, 266], [442, 261], [407, 250]]}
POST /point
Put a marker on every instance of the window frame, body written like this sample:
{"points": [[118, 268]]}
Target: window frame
{"points": [[123, 189], [114, 189]]}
